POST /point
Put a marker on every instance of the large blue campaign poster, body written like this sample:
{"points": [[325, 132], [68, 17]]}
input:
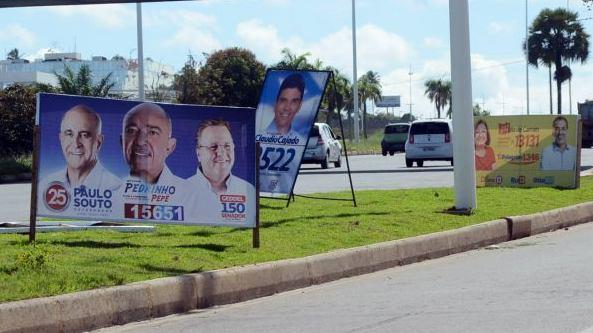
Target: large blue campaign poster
{"points": [[118, 160], [285, 114]]}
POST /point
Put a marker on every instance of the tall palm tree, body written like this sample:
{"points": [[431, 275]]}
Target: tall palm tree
{"points": [[556, 36], [81, 83], [369, 88], [439, 92]]}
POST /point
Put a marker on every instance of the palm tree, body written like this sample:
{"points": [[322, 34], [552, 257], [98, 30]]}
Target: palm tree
{"points": [[556, 36], [81, 83], [336, 95], [439, 92], [293, 61], [369, 88], [14, 54]]}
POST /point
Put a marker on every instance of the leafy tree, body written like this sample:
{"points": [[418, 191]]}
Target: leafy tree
{"points": [[117, 57], [231, 76], [81, 83], [17, 117], [14, 54], [186, 83], [556, 36], [478, 111], [439, 92], [369, 88]]}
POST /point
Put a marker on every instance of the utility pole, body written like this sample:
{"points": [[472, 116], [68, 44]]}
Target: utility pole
{"points": [[464, 172], [355, 75], [527, 55]]}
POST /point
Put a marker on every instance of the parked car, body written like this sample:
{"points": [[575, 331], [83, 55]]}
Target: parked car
{"points": [[324, 147], [429, 140], [394, 138]]}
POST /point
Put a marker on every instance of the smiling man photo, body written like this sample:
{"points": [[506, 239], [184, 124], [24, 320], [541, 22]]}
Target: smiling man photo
{"points": [[559, 155], [288, 103], [81, 140]]}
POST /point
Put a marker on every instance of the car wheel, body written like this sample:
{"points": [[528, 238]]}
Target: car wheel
{"points": [[338, 163], [325, 162], [391, 152], [409, 162], [420, 163], [384, 152]]}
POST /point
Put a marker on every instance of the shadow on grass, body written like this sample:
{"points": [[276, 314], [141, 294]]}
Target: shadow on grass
{"points": [[169, 270], [267, 224], [201, 233], [271, 207], [93, 244], [209, 247]]}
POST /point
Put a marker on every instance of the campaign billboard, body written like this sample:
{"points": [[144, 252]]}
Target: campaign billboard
{"points": [[527, 151], [286, 112], [119, 160]]}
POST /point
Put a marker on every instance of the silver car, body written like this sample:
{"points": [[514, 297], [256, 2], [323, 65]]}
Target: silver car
{"points": [[429, 140], [324, 147]]}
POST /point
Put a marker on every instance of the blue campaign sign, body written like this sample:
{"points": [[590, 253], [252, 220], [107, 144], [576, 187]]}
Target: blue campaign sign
{"points": [[124, 160], [285, 114]]}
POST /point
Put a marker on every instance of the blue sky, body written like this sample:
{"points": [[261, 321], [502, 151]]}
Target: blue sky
{"points": [[392, 36]]}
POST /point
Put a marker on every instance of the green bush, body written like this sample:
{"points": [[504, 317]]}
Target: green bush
{"points": [[15, 165]]}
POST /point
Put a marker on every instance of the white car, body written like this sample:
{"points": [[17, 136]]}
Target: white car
{"points": [[324, 147], [429, 140]]}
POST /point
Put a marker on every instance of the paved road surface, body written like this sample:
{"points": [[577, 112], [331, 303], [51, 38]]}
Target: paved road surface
{"points": [[539, 284]]}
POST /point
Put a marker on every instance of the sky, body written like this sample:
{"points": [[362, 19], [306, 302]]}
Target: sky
{"points": [[394, 38]]}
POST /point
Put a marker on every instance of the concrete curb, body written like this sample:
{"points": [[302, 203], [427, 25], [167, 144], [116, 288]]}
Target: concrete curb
{"points": [[98, 308]]}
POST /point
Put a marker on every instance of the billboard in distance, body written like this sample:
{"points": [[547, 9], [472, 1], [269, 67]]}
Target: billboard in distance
{"points": [[118, 160], [285, 114], [527, 151]]}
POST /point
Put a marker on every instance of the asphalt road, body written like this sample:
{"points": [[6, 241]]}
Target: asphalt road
{"points": [[538, 284], [368, 172]]}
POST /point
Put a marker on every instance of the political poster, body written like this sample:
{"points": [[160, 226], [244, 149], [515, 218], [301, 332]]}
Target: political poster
{"points": [[527, 151], [118, 160], [286, 112]]}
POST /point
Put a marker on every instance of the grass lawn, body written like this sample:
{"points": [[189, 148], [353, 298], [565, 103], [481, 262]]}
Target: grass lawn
{"points": [[372, 145], [66, 262]]}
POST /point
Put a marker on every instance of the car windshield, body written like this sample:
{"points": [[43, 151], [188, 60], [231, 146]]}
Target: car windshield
{"points": [[314, 132], [429, 128], [392, 129]]}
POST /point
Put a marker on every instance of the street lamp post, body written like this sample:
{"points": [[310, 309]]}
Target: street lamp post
{"points": [[140, 52], [355, 79]]}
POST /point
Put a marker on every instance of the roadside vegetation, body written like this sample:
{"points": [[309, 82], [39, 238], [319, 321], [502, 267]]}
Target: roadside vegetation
{"points": [[14, 166], [64, 262]]}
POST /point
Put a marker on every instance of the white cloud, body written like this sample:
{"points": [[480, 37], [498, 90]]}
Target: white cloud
{"points": [[17, 36], [377, 49], [110, 16], [433, 42], [180, 18], [265, 41], [499, 27], [197, 41]]}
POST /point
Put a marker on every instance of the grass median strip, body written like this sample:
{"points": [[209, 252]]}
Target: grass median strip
{"points": [[66, 262]]}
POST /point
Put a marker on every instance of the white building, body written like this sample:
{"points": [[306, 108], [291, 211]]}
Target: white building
{"points": [[124, 73]]}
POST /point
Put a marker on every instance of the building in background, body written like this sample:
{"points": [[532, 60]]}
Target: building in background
{"points": [[157, 76]]}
